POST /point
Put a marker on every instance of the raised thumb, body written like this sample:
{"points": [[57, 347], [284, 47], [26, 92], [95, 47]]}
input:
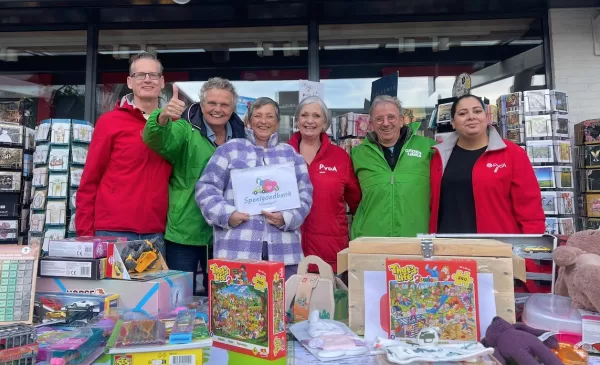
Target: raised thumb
{"points": [[175, 92]]}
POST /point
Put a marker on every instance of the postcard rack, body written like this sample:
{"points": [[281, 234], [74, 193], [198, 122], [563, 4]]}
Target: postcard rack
{"points": [[587, 174], [60, 154], [16, 152]]}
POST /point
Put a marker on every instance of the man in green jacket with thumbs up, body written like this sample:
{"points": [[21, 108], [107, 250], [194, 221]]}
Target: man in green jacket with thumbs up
{"points": [[392, 166], [187, 138]]}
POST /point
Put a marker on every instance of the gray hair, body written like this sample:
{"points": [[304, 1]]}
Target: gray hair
{"points": [[382, 99], [221, 84], [144, 56], [315, 100], [259, 103]]}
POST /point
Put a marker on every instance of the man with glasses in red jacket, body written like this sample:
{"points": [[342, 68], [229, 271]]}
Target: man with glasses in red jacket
{"points": [[124, 187]]}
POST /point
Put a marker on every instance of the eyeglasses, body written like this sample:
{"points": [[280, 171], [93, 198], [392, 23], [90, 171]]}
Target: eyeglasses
{"points": [[390, 117], [142, 75]]}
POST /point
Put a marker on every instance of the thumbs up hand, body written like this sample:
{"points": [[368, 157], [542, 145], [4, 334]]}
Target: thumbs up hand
{"points": [[173, 110]]}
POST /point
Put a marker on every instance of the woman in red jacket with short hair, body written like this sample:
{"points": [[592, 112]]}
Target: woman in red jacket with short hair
{"points": [[481, 183], [325, 229]]}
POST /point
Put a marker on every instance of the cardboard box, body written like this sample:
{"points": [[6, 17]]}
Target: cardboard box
{"points": [[246, 300], [81, 248], [58, 267], [166, 357], [370, 253], [159, 294], [134, 260]]}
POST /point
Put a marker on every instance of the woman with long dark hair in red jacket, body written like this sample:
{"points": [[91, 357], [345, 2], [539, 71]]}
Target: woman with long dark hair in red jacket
{"points": [[325, 230], [481, 183]]}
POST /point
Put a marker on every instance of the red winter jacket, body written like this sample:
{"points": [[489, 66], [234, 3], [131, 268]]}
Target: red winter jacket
{"points": [[125, 185], [506, 192], [325, 229]]}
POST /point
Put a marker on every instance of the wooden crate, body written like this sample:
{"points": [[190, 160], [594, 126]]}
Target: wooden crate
{"points": [[370, 253]]}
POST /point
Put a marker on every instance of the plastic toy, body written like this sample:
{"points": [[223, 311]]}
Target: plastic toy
{"points": [[139, 255], [183, 328], [17, 345], [537, 249], [141, 333], [77, 347]]}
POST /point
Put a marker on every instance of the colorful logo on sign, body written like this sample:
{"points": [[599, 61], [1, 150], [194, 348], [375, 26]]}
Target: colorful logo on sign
{"points": [[265, 186]]}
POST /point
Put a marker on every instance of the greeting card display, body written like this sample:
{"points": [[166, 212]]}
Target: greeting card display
{"points": [[246, 302], [433, 293]]}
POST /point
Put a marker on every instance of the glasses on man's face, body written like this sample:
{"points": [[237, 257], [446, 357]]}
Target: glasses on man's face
{"points": [[392, 118], [139, 76]]}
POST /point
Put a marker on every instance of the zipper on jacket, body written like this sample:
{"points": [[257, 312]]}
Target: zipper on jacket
{"points": [[392, 180]]}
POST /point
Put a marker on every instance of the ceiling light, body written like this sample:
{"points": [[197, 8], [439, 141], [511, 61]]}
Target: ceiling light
{"points": [[181, 2]]}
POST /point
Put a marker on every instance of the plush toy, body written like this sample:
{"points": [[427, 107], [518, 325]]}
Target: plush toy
{"points": [[579, 269], [519, 343]]}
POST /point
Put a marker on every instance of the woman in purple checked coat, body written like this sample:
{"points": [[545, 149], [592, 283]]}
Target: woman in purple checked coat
{"points": [[273, 236]]}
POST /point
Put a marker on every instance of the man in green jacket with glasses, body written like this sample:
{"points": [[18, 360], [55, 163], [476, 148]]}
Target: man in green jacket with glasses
{"points": [[392, 166], [187, 138]]}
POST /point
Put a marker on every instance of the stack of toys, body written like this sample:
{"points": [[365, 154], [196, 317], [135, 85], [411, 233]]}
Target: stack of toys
{"points": [[83, 257], [60, 153]]}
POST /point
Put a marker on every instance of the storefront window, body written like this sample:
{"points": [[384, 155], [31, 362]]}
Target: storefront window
{"points": [[427, 55], [266, 61], [42, 74]]}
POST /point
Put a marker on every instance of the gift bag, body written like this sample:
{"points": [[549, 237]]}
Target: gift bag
{"points": [[306, 292]]}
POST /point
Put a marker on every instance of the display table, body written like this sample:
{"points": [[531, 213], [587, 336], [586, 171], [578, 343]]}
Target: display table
{"points": [[297, 355]]}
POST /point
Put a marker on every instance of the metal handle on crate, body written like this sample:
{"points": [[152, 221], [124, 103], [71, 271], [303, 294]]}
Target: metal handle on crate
{"points": [[427, 247]]}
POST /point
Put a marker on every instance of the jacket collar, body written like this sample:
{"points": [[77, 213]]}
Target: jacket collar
{"points": [[445, 148], [273, 140], [297, 137]]}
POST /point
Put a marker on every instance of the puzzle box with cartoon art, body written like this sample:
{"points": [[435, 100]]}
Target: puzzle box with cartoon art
{"points": [[246, 302]]}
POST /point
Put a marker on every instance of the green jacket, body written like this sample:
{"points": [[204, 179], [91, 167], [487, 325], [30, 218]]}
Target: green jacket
{"points": [[394, 203], [188, 151]]}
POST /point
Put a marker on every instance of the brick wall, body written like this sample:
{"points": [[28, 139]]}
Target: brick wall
{"points": [[575, 68]]}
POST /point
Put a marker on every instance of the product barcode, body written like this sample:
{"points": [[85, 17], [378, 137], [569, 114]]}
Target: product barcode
{"points": [[87, 271], [88, 249], [183, 360]]}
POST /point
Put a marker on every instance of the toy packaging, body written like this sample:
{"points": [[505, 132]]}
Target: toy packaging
{"points": [[81, 248], [71, 307], [166, 356], [134, 259], [17, 345], [246, 301], [55, 267], [433, 294], [18, 265]]}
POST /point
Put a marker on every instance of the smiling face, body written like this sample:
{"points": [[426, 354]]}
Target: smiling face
{"points": [[470, 119], [263, 123], [387, 123], [217, 106], [311, 121], [146, 89]]}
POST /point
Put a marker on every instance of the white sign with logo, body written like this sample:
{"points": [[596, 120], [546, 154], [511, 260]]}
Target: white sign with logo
{"points": [[272, 188]]}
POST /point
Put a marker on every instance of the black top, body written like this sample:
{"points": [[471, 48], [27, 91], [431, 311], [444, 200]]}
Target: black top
{"points": [[391, 154], [457, 205]]}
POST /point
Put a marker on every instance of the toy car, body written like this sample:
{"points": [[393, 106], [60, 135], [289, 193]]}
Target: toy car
{"points": [[50, 303], [537, 249], [139, 255], [82, 304], [56, 315]]}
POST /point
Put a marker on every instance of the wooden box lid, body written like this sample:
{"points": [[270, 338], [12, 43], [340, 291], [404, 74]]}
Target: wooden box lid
{"points": [[426, 246]]}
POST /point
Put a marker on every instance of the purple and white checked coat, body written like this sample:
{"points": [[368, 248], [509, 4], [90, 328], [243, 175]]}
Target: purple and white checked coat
{"points": [[214, 196]]}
